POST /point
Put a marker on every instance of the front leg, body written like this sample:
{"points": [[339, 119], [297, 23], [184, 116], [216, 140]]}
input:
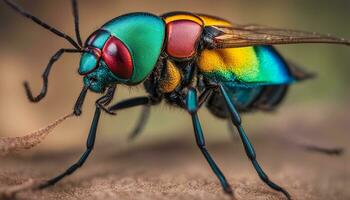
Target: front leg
{"points": [[80, 101], [100, 103], [105, 100], [89, 147]]}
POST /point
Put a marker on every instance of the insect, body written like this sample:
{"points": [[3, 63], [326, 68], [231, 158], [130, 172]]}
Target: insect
{"points": [[188, 60]]}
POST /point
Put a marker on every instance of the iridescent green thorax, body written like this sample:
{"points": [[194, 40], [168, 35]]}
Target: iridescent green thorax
{"points": [[143, 34]]}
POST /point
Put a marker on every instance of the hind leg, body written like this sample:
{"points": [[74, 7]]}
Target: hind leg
{"points": [[236, 120]]}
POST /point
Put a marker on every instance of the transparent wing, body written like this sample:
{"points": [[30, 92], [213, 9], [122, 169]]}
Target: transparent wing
{"points": [[251, 35]]}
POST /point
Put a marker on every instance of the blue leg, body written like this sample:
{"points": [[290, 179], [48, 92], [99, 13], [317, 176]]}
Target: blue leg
{"points": [[102, 101], [192, 106], [89, 147], [236, 120]]}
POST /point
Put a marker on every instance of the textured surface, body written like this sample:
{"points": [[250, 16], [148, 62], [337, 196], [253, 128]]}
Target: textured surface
{"points": [[176, 170], [143, 34], [172, 78]]}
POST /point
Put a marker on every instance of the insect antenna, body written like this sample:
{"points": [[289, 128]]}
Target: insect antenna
{"points": [[45, 25], [76, 21], [45, 75]]}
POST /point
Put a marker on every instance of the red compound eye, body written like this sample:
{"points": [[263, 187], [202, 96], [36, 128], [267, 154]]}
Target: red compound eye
{"points": [[117, 57]]}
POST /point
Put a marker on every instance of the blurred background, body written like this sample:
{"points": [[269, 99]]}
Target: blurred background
{"points": [[26, 49], [316, 111]]}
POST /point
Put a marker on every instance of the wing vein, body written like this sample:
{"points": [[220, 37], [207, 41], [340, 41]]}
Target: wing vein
{"points": [[251, 35]]}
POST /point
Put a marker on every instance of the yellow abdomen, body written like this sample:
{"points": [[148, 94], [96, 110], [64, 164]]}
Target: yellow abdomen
{"points": [[229, 59]]}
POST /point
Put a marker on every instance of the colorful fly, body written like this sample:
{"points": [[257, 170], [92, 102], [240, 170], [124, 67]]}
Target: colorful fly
{"points": [[233, 68]]}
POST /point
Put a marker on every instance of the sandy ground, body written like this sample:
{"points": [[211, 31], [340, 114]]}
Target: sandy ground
{"points": [[175, 169]]}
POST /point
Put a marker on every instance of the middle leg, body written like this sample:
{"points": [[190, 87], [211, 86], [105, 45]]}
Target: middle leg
{"points": [[192, 107], [141, 122]]}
